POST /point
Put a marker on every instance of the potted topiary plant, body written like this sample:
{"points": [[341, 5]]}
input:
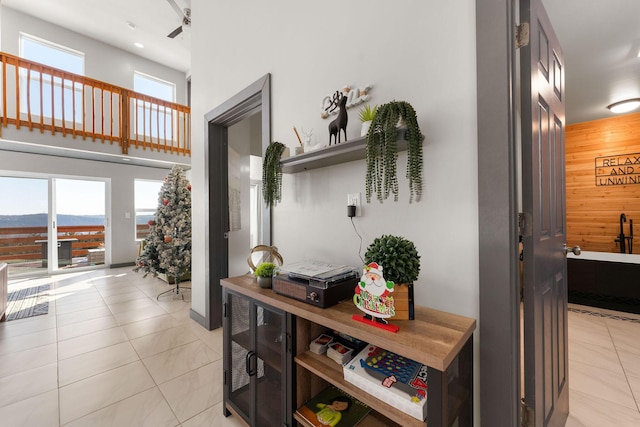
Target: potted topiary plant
{"points": [[367, 113], [272, 174], [264, 273], [400, 264], [382, 151]]}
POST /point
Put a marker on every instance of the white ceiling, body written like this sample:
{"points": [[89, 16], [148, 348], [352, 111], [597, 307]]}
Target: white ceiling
{"points": [[106, 20], [600, 39]]}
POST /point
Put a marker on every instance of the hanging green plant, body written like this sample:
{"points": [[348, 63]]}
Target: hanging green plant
{"points": [[272, 174], [382, 152]]}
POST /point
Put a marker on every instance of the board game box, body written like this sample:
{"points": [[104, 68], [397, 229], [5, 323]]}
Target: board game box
{"points": [[397, 380]]}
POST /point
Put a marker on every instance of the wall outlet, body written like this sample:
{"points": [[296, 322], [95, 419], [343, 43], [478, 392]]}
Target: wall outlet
{"points": [[353, 199]]}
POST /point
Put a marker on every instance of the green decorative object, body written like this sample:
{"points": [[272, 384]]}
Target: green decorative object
{"points": [[397, 255], [264, 273], [272, 174], [265, 269], [367, 113], [382, 151]]}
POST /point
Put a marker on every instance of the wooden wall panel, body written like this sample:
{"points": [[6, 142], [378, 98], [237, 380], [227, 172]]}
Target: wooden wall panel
{"points": [[593, 212]]}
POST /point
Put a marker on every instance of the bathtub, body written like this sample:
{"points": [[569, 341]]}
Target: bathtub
{"points": [[605, 279]]}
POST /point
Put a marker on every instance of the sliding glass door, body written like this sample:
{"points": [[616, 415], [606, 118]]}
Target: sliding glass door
{"points": [[24, 216], [50, 224], [80, 222]]}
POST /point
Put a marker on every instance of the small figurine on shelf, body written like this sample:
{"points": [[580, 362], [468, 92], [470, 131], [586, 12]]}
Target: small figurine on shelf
{"points": [[340, 122], [372, 296]]}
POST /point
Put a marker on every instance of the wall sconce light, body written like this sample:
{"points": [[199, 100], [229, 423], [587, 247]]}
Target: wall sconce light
{"points": [[624, 106]]}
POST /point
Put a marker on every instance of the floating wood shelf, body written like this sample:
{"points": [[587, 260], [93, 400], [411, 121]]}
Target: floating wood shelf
{"points": [[348, 151]]}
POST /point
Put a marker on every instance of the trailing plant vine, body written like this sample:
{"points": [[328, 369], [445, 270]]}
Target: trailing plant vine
{"points": [[382, 152], [272, 174]]}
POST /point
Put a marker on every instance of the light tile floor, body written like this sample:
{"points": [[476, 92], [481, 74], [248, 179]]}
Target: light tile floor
{"points": [[604, 368], [109, 354]]}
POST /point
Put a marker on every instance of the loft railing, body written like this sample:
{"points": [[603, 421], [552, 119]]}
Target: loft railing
{"points": [[48, 99]]}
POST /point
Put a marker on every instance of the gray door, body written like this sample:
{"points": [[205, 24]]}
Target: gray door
{"points": [[543, 199]]}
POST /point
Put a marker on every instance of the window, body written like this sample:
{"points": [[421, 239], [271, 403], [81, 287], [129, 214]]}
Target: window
{"points": [[153, 86], [153, 120], [146, 203], [42, 87]]}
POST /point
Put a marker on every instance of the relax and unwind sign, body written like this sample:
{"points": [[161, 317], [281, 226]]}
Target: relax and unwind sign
{"points": [[619, 169]]}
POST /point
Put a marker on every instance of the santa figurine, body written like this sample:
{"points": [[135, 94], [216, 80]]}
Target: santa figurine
{"points": [[372, 294]]}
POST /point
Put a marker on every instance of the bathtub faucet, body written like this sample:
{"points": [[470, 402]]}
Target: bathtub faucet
{"points": [[621, 237]]}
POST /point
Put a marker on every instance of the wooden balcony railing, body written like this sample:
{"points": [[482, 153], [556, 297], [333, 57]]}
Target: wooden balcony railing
{"points": [[19, 243], [48, 99]]}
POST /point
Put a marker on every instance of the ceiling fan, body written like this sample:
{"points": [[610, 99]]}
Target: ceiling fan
{"points": [[185, 15]]}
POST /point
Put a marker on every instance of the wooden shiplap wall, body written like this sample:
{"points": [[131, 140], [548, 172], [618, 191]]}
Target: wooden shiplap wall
{"points": [[593, 212]]}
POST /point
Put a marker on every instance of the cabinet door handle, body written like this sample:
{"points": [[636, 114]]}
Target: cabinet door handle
{"points": [[250, 371]]}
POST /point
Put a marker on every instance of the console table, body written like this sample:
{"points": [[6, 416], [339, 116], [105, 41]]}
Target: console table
{"points": [[442, 341]]}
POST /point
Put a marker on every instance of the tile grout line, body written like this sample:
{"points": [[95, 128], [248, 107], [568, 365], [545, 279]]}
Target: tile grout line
{"points": [[108, 370], [635, 400]]}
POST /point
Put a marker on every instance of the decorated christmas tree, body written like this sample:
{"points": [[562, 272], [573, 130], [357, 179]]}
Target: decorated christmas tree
{"points": [[167, 247]]}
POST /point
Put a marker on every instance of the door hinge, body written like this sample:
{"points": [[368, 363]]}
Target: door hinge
{"points": [[224, 377], [522, 35], [524, 224], [288, 343], [224, 310], [527, 415]]}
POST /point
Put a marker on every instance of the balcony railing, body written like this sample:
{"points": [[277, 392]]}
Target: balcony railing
{"points": [[48, 99], [22, 243]]}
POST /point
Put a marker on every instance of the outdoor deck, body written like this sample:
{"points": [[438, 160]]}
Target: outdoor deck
{"points": [[22, 247]]}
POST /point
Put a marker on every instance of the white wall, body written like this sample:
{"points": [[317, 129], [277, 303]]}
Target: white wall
{"points": [[102, 62], [123, 245], [421, 52], [239, 236], [417, 51]]}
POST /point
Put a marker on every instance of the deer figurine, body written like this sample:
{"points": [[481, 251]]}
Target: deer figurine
{"points": [[340, 123]]}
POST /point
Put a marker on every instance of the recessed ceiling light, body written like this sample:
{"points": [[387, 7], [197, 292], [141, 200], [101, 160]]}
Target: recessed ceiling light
{"points": [[138, 45], [624, 106]]}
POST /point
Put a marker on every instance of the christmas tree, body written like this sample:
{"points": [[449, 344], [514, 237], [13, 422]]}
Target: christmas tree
{"points": [[167, 247]]}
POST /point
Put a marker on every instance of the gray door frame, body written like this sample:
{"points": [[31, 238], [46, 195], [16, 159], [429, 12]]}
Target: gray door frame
{"points": [[499, 322], [254, 98]]}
